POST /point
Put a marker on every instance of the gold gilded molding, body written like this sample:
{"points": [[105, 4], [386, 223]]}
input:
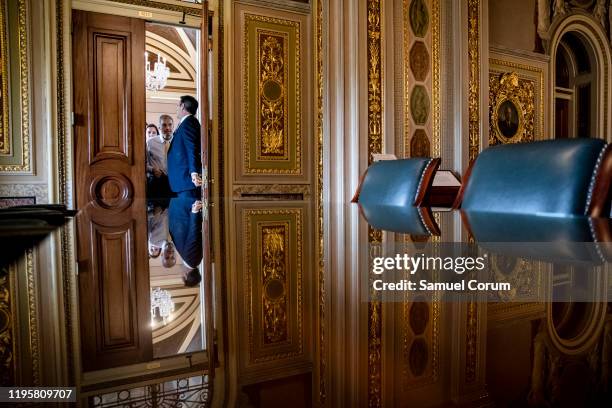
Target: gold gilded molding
{"points": [[32, 317], [24, 94], [474, 78], [275, 242], [272, 97], [375, 145], [319, 205], [375, 105], [252, 190], [272, 233], [272, 141], [507, 94], [471, 343], [187, 9], [435, 87], [7, 329], [5, 135], [498, 65]]}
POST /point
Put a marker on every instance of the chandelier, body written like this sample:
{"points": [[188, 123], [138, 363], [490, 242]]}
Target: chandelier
{"points": [[161, 304], [157, 77]]}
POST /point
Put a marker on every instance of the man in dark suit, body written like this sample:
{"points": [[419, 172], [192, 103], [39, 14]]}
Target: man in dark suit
{"points": [[184, 159], [185, 224]]}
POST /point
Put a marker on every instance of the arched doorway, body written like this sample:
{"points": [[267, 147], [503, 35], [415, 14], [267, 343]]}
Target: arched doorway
{"points": [[580, 69], [575, 87]]}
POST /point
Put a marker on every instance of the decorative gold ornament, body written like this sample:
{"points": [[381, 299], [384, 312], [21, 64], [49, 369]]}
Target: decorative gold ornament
{"points": [[7, 323], [435, 56], [272, 142], [474, 78], [269, 235], [322, 338], [471, 342], [5, 133], [274, 268], [250, 191], [24, 96], [512, 103], [375, 145]]}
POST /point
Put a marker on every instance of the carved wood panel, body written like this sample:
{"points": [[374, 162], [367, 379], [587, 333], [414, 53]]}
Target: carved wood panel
{"points": [[110, 177]]}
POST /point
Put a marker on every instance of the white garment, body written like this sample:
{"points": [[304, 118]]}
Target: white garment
{"points": [[159, 232], [157, 149]]}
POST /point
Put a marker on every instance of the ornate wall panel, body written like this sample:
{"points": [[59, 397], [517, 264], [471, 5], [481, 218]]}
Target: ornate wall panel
{"points": [[19, 325], [516, 99], [273, 113], [275, 282], [15, 138], [421, 78], [473, 25]]}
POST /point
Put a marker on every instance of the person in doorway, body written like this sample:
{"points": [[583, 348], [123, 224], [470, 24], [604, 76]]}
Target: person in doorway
{"points": [[158, 186], [184, 157], [185, 225]]}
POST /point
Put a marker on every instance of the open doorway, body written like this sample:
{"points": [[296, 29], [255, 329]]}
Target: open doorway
{"points": [[172, 71], [142, 257]]}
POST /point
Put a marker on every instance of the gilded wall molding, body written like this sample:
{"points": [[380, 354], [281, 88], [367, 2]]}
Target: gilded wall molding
{"points": [[5, 131], [249, 191], [471, 342], [474, 78], [421, 78], [375, 145], [65, 193], [273, 264], [319, 214], [19, 160], [272, 140], [512, 108], [435, 56], [187, 9], [8, 345], [525, 73]]}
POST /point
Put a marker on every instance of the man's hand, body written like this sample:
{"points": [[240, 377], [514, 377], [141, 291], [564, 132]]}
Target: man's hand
{"points": [[196, 207], [196, 179]]}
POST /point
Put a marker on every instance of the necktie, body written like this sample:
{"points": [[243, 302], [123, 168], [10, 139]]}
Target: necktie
{"points": [[166, 146]]}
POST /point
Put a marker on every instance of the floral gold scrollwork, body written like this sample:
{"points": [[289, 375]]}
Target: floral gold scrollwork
{"points": [[471, 343], [6, 329], [19, 158], [374, 79], [512, 108], [375, 145], [474, 78], [272, 142], [274, 268], [5, 141], [272, 97], [273, 244]]}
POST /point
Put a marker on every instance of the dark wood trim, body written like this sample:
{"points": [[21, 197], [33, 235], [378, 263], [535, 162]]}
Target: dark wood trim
{"points": [[426, 180], [464, 181], [601, 195], [355, 198]]}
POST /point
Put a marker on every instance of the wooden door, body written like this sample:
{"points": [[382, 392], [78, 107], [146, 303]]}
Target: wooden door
{"points": [[109, 121]]}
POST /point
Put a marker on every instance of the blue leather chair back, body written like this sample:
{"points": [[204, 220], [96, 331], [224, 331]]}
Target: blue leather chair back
{"points": [[396, 183], [547, 177], [405, 220]]}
